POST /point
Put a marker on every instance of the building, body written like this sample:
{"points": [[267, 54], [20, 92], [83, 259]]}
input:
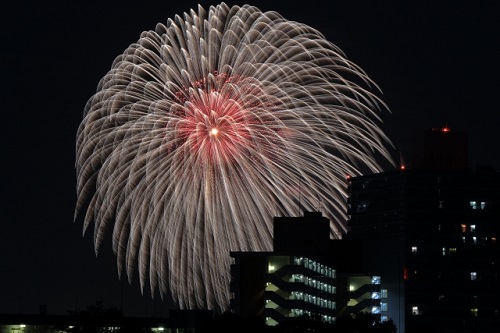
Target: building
{"points": [[299, 276], [441, 149], [179, 321], [432, 234], [276, 287], [365, 295], [42, 323]]}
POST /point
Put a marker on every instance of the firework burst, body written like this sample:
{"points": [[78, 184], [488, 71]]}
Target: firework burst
{"points": [[207, 128]]}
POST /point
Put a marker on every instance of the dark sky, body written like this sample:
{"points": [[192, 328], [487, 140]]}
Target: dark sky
{"points": [[437, 64]]}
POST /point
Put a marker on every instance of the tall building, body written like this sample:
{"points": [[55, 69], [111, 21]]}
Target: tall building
{"points": [[442, 149], [432, 233], [301, 276]]}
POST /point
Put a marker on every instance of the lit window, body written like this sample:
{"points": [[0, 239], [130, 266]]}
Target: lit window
{"points": [[444, 251], [414, 249], [474, 312], [375, 309], [452, 249], [474, 240], [473, 276], [441, 204], [383, 293], [493, 240], [383, 318], [383, 306], [375, 295], [463, 239], [463, 227], [362, 206], [478, 205], [472, 228], [375, 279], [414, 310]]}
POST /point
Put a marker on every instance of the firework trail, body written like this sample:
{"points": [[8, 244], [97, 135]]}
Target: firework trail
{"points": [[207, 128]]}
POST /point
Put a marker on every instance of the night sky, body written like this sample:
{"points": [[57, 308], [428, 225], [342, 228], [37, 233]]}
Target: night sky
{"points": [[437, 65]]}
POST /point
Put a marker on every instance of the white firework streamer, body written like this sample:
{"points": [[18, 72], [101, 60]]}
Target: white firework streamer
{"points": [[207, 128]]}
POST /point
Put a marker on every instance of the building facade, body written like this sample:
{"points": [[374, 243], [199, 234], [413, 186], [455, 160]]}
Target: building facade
{"points": [[277, 287], [432, 233], [300, 277]]}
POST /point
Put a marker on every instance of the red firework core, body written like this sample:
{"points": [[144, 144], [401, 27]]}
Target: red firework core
{"points": [[219, 118]]}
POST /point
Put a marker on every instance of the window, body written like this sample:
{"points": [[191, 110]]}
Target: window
{"points": [[443, 251], [375, 309], [463, 227], [297, 278], [375, 279], [474, 312], [478, 205], [362, 206], [383, 318], [473, 276], [472, 228], [383, 306], [415, 311], [383, 293], [414, 249], [375, 295]]}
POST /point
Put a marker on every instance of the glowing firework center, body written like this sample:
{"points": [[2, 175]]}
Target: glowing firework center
{"points": [[224, 118]]}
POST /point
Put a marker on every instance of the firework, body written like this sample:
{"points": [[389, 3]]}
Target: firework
{"points": [[207, 128]]}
